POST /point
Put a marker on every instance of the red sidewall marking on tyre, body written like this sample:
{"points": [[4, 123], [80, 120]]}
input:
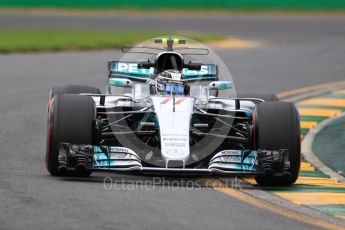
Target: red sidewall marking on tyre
{"points": [[48, 134]]}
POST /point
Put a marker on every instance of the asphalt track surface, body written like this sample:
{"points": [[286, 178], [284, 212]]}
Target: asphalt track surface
{"points": [[298, 51]]}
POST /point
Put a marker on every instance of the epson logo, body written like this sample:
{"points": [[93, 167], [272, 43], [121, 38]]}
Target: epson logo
{"points": [[119, 149]]}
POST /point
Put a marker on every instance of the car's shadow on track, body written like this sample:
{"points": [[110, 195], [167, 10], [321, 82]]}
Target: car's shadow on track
{"points": [[142, 181]]}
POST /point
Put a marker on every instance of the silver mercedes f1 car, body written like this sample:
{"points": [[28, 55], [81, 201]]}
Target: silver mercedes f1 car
{"points": [[170, 107]]}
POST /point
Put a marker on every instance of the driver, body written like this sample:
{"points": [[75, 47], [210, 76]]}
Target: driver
{"points": [[171, 82]]}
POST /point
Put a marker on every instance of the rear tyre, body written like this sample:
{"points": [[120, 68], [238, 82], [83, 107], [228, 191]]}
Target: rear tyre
{"points": [[71, 119], [277, 126], [264, 96]]}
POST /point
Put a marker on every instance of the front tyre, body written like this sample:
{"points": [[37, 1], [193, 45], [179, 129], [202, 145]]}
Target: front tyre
{"points": [[263, 96], [71, 119], [277, 126], [71, 89]]}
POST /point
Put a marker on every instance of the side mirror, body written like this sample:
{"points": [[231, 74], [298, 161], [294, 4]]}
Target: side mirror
{"points": [[200, 93], [220, 85], [120, 82], [140, 91]]}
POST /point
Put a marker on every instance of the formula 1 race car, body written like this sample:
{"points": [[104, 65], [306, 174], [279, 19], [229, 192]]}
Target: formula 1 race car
{"points": [[170, 108]]}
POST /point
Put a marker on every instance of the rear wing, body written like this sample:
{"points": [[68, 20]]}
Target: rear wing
{"points": [[130, 70]]}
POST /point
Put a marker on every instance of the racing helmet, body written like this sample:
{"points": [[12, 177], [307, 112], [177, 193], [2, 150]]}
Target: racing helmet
{"points": [[170, 82]]}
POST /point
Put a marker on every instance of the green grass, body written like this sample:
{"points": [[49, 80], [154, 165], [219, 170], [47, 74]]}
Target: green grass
{"points": [[188, 4], [41, 40]]}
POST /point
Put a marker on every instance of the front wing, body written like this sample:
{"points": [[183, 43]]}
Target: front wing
{"points": [[121, 159]]}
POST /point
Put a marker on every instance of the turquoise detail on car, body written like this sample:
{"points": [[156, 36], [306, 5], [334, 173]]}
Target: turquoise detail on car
{"points": [[130, 70], [225, 85], [118, 82]]}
